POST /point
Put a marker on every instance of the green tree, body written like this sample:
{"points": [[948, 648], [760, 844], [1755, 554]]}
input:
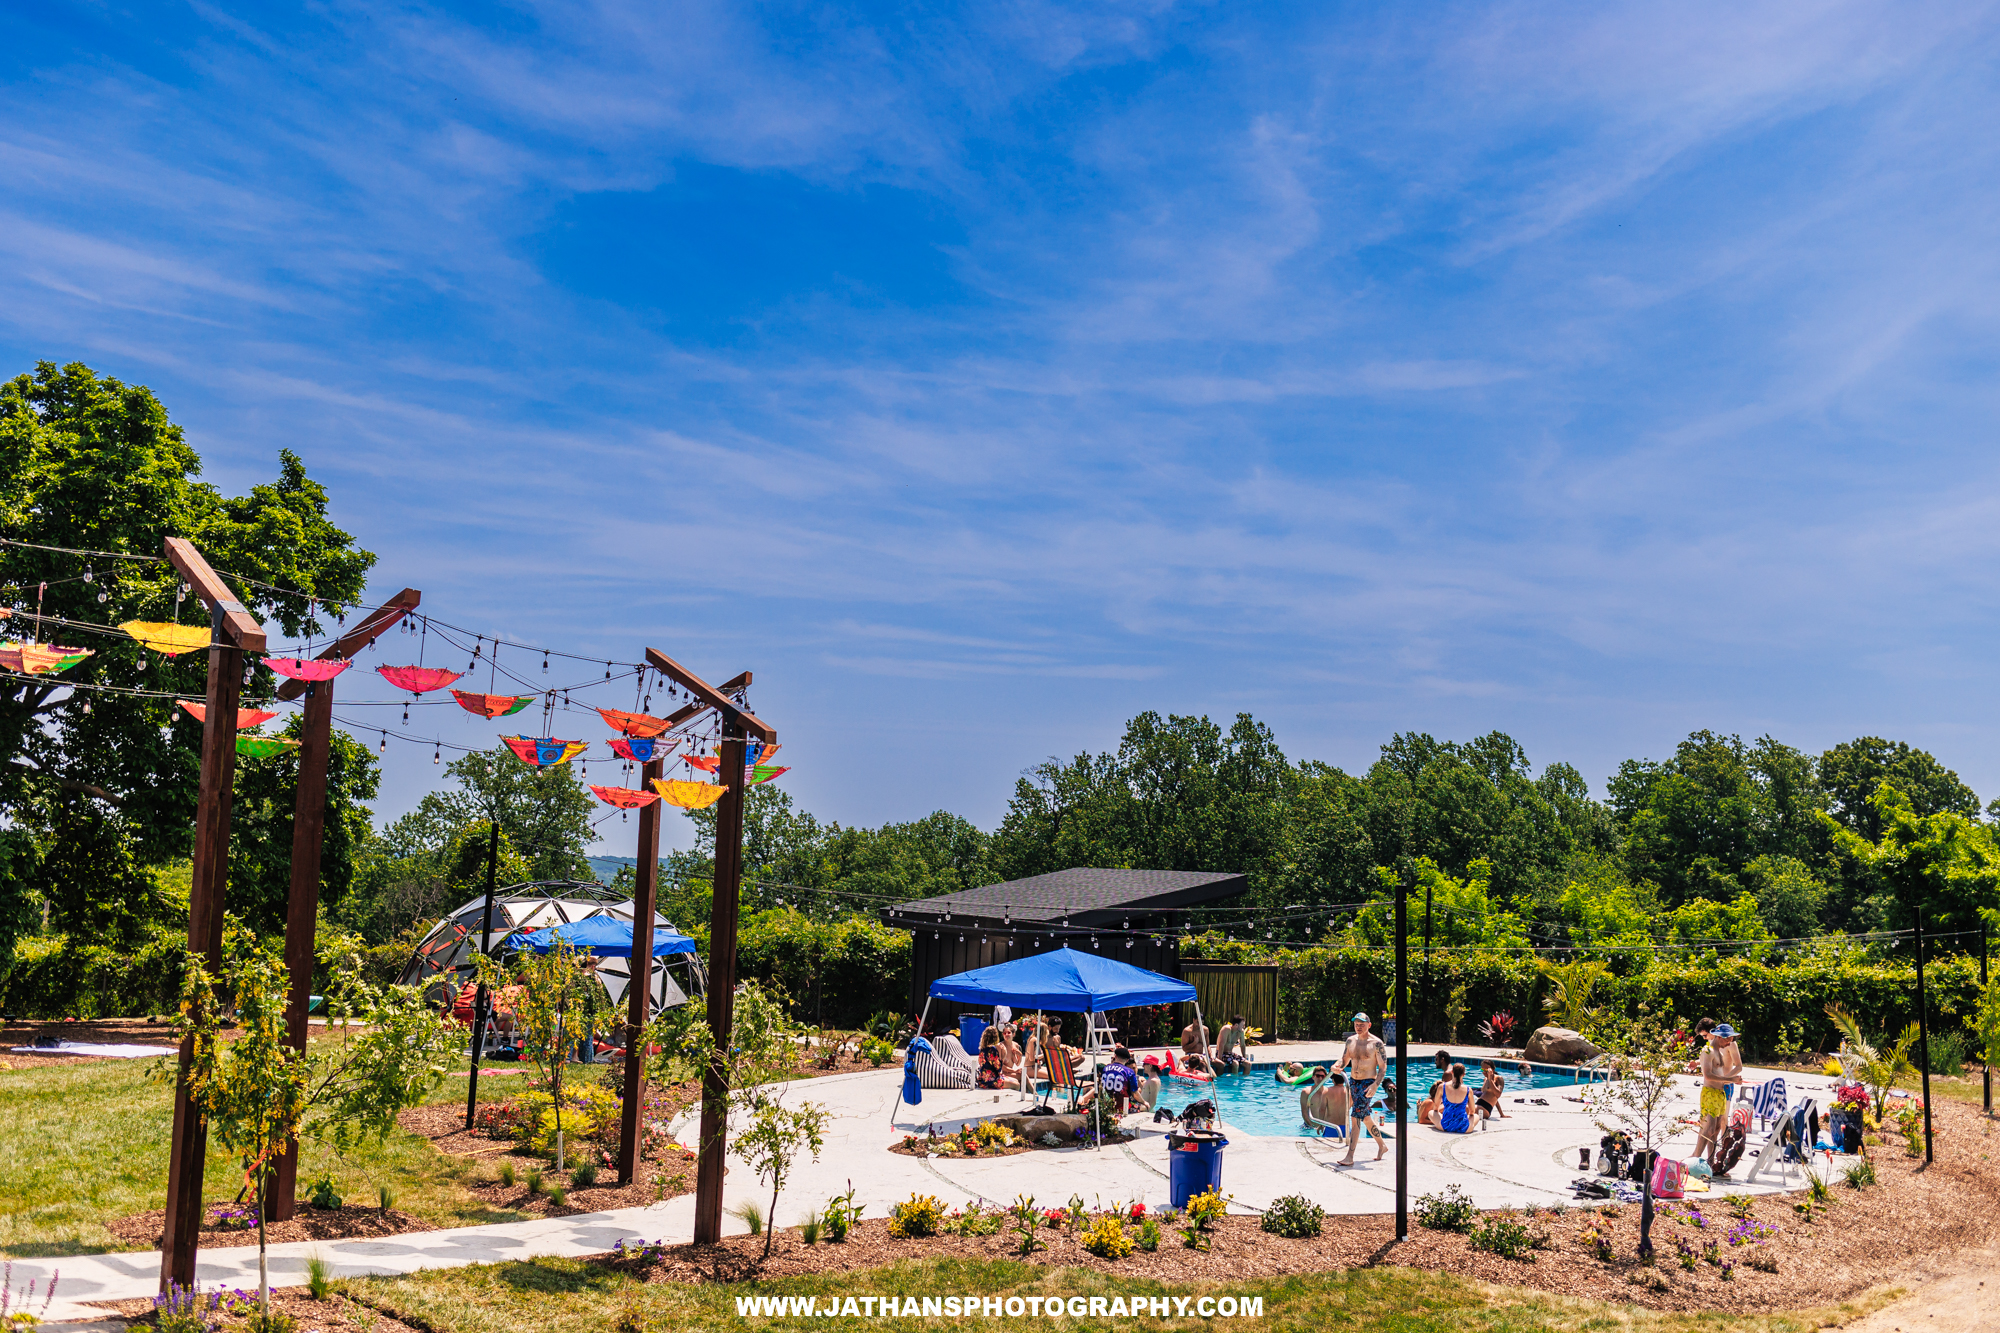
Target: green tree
{"points": [[1464, 912], [91, 463], [262, 820], [1941, 868], [1851, 771], [1790, 898], [1693, 824]]}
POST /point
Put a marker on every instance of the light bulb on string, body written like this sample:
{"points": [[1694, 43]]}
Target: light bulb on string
{"points": [[406, 715], [103, 596], [385, 742], [607, 671], [142, 661], [437, 754], [89, 575], [545, 664]]}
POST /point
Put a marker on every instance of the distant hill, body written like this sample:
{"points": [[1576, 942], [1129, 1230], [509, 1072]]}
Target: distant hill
{"points": [[606, 868]]}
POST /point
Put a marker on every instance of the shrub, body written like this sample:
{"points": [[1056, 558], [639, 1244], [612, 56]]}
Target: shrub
{"points": [[839, 1216], [1148, 1238], [259, 1322], [534, 1181], [809, 1226], [1294, 1216], [1739, 1204], [386, 1197], [917, 1216], [1106, 1238], [976, 1221], [751, 1214], [1503, 1235], [584, 1175], [1860, 1174], [1450, 1210], [507, 1174], [559, 1197], [321, 1194], [1763, 1261]]}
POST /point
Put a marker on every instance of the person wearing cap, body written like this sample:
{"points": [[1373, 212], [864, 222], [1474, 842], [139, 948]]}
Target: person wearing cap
{"points": [[1367, 1063], [1721, 1066]]}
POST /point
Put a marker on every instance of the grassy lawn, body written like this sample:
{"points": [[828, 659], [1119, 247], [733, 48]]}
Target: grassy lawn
{"points": [[87, 1144], [567, 1294]]}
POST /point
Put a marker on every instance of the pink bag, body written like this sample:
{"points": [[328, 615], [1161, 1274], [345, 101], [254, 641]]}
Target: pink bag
{"points": [[1669, 1178]]}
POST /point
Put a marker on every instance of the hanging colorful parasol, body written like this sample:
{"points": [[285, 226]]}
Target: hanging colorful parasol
{"points": [[632, 724], [418, 679], [752, 773], [544, 750], [645, 751], [688, 795], [492, 705], [625, 798], [319, 668], [764, 773], [166, 638], [262, 747], [245, 717], [38, 659]]}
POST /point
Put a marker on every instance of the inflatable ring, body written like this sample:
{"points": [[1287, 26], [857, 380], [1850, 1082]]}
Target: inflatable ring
{"points": [[1305, 1076]]}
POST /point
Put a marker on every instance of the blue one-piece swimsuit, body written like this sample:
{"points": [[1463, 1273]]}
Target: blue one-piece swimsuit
{"points": [[1454, 1117]]}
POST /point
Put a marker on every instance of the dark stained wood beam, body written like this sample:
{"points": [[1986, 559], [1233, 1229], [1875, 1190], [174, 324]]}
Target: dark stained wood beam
{"points": [[708, 695], [372, 627], [234, 619]]}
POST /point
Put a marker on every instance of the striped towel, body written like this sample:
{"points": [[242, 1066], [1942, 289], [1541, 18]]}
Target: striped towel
{"points": [[936, 1071], [1768, 1100]]}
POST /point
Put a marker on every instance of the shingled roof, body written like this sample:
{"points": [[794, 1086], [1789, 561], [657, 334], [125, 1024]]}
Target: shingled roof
{"points": [[1085, 895]]}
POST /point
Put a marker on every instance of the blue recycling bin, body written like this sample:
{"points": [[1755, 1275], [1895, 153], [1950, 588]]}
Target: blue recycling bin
{"points": [[971, 1030], [1194, 1165]]}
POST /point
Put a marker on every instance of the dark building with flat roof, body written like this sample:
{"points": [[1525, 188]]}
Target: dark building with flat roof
{"points": [[1134, 916]]}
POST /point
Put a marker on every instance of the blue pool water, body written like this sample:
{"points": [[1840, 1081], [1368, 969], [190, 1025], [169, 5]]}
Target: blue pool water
{"points": [[1256, 1103]]}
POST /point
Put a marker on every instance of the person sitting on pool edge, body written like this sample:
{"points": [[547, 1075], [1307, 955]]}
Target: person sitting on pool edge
{"points": [[1427, 1108], [1490, 1092], [1454, 1116], [1148, 1096], [1230, 1045], [1117, 1082]]}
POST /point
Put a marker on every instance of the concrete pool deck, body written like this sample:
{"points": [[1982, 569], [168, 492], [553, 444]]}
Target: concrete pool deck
{"points": [[1528, 1158]]}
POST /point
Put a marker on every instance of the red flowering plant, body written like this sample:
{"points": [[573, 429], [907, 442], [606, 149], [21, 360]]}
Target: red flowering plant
{"points": [[1499, 1028], [1850, 1097], [1138, 1211]]}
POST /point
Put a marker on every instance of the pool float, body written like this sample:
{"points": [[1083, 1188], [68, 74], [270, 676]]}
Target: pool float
{"points": [[1190, 1075], [1305, 1076]]}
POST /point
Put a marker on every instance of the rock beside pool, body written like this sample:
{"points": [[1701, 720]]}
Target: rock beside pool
{"points": [[1560, 1046], [1032, 1127]]}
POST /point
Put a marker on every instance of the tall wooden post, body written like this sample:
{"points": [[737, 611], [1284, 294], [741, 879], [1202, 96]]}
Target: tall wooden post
{"points": [[308, 838], [737, 726], [1987, 1075], [721, 983], [639, 988], [233, 633]]}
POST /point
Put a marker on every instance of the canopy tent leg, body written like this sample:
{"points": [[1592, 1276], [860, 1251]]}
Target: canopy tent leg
{"points": [[922, 1020]]}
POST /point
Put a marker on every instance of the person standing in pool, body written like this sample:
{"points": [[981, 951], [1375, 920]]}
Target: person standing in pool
{"points": [[1367, 1063]]}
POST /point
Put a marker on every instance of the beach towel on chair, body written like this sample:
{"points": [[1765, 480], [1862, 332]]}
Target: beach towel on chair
{"points": [[1767, 1099]]}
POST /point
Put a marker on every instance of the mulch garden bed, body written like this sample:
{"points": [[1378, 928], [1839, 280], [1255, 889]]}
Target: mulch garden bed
{"points": [[349, 1222], [334, 1313], [1901, 1230]]}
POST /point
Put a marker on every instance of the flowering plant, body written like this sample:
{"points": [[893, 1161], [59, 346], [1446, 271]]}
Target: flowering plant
{"points": [[1850, 1097], [1499, 1028]]}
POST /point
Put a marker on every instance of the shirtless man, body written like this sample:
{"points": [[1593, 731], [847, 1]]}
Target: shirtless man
{"points": [[1230, 1044], [1721, 1067], [1194, 1039], [1366, 1063]]}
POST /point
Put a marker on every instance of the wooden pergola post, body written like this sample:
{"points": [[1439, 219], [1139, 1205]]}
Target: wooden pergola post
{"points": [[308, 838], [234, 633], [737, 726], [645, 893]]}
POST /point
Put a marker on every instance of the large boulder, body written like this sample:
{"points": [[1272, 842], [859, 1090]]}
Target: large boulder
{"points": [[1560, 1046], [1032, 1127]]}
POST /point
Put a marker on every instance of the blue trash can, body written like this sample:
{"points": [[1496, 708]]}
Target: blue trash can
{"points": [[1194, 1165], [971, 1030]]}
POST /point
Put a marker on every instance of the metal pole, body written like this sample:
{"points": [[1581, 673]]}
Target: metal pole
{"points": [[1402, 1056], [728, 880], [1430, 994], [1982, 986], [1924, 1035], [482, 1005], [639, 986]]}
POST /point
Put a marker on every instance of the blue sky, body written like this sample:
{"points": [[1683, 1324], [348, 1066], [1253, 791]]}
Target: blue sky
{"points": [[982, 376]]}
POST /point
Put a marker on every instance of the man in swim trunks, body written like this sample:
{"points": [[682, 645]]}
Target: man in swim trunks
{"points": [[1721, 1066], [1366, 1063]]}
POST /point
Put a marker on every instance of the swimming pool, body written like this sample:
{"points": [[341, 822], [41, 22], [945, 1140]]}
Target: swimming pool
{"points": [[1256, 1103]]}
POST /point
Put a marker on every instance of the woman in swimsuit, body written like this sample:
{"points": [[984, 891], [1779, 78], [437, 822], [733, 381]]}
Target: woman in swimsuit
{"points": [[992, 1063], [1455, 1115], [1427, 1108], [1490, 1092]]}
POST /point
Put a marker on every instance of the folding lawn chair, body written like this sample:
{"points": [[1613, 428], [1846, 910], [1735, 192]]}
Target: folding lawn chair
{"points": [[1063, 1077]]}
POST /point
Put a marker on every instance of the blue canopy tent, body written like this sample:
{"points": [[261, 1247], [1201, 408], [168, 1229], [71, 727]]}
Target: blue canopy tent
{"points": [[1066, 980], [600, 936]]}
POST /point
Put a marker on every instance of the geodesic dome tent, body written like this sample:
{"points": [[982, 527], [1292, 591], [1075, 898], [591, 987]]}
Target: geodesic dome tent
{"points": [[446, 954]]}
